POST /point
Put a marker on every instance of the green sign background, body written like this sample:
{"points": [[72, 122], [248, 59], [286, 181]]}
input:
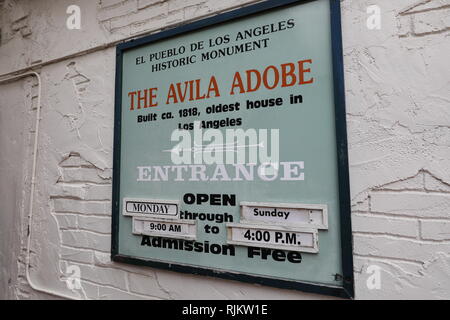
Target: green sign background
{"points": [[307, 133]]}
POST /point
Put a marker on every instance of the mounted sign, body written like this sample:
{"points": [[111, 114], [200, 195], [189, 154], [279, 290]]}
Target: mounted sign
{"points": [[230, 154]]}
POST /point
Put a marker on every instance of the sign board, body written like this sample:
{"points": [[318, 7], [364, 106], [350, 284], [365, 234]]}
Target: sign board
{"points": [[230, 154]]}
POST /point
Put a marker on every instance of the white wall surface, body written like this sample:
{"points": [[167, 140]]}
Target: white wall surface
{"points": [[398, 118]]}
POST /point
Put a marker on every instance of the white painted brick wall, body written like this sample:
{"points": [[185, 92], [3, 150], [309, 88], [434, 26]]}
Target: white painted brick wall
{"points": [[159, 10], [81, 206], [147, 3], [86, 240], [397, 94]]}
